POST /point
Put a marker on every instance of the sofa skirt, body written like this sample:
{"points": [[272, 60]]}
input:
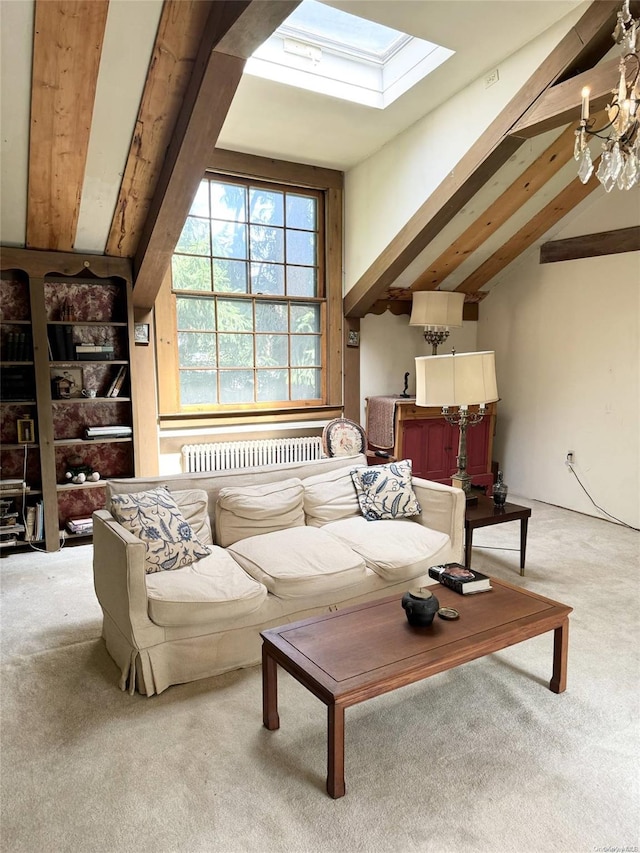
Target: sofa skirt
{"points": [[151, 670]]}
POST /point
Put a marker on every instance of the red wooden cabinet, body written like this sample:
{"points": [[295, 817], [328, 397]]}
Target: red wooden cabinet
{"points": [[425, 437]]}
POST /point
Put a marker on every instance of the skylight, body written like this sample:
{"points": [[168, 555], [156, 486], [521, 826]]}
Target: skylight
{"points": [[331, 52]]}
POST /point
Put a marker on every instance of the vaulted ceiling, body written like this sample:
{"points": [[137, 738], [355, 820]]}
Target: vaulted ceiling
{"points": [[112, 111]]}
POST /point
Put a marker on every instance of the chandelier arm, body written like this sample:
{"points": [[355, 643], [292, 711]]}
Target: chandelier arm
{"points": [[604, 127], [636, 58]]}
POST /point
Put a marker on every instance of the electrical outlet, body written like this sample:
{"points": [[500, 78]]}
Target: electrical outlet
{"points": [[570, 458], [491, 78]]}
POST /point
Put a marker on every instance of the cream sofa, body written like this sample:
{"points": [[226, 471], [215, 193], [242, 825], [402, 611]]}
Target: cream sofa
{"points": [[269, 564]]}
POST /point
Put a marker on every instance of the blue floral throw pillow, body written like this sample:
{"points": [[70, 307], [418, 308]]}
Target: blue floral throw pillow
{"points": [[155, 518], [385, 491]]}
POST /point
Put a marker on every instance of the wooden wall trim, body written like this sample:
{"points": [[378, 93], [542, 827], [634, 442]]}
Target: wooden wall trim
{"points": [[40, 263], [281, 171], [333, 274], [591, 245], [67, 46], [352, 372]]}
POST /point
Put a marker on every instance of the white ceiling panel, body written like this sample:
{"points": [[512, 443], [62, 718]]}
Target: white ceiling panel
{"points": [[16, 49], [126, 51]]}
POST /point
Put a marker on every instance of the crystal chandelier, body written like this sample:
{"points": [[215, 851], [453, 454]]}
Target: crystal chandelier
{"points": [[620, 161]]}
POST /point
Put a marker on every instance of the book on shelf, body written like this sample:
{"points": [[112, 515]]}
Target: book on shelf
{"points": [[10, 347], [108, 432], [94, 347], [11, 484], [461, 579], [38, 529], [122, 375], [94, 352], [68, 343], [22, 349], [17, 346], [30, 521], [11, 529], [80, 525], [116, 385]]}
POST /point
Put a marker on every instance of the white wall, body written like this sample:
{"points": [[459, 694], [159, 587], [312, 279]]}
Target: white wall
{"points": [[386, 189], [568, 365], [388, 348]]}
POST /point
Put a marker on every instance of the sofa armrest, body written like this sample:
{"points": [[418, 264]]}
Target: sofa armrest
{"points": [[443, 509], [119, 580]]}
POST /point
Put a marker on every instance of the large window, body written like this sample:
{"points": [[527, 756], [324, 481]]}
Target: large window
{"points": [[250, 307], [248, 320]]}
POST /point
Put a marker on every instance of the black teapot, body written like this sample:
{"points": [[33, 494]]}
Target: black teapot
{"points": [[420, 605]]}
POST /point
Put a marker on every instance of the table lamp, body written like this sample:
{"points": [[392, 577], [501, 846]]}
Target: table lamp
{"points": [[459, 381], [438, 311]]}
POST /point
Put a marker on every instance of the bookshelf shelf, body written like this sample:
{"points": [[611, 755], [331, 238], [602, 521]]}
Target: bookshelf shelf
{"points": [[83, 401], [81, 362], [73, 487], [86, 323], [67, 442]]}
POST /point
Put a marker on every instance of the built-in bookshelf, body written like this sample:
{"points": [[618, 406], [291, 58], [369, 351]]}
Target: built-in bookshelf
{"points": [[66, 337]]}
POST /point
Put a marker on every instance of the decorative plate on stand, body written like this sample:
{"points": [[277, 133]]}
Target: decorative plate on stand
{"points": [[342, 437]]}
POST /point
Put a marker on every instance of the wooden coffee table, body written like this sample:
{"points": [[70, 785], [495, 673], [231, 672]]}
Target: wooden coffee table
{"points": [[351, 655], [485, 513]]}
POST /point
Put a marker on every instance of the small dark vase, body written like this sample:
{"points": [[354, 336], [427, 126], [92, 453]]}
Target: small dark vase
{"points": [[500, 491], [421, 606]]}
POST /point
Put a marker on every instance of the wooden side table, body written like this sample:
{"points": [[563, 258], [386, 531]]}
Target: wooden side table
{"points": [[485, 513]]}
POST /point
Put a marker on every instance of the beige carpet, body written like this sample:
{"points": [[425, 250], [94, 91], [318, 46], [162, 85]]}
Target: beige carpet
{"points": [[482, 758]]}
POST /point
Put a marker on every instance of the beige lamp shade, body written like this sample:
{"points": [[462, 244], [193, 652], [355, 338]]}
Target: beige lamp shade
{"points": [[464, 379], [437, 308]]}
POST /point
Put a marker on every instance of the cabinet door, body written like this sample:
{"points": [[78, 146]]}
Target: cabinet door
{"points": [[432, 446], [428, 444], [477, 447]]}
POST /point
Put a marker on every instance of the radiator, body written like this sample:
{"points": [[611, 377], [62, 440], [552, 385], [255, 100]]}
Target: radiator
{"points": [[248, 454]]}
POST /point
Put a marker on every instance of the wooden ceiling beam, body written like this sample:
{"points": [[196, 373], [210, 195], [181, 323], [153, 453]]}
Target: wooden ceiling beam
{"points": [[589, 37], [235, 26], [520, 191], [180, 29], [562, 103], [591, 245], [538, 225], [67, 46]]}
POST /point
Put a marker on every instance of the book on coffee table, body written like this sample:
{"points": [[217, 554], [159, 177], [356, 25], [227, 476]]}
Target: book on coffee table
{"points": [[460, 579]]}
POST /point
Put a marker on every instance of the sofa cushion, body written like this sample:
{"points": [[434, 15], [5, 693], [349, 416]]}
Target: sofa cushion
{"points": [[205, 592], [153, 516], [300, 561], [394, 550], [329, 497], [246, 511], [385, 491], [194, 505]]}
